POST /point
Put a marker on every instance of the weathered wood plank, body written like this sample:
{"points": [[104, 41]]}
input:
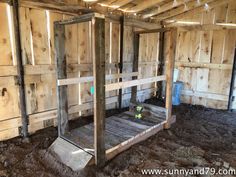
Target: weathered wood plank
{"points": [[61, 74], [98, 55]]}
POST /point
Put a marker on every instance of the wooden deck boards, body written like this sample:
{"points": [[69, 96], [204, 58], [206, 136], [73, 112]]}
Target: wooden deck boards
{"points": [[119, 128]]}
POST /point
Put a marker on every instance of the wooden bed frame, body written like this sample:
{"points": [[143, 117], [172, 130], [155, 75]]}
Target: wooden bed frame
{"points": [[101, 154]]}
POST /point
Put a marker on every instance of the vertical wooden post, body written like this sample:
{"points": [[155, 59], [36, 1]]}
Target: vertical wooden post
{"points": [[161, 63], [170, 60], [62, 102], [233, 80], [135, 67], [121, 57], [20, 69], [98, 55]]}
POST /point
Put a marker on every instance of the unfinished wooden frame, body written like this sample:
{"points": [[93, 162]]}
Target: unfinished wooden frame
{"points": [[101, 153], [98, 55]]}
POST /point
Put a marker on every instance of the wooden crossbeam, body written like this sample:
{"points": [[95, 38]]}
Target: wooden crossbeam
{"points": [[126, 84], [120, 3], [203, 65], [143, 5], [165, 7], [181, 9], [55, 6], [91, 78], [181, 14]]}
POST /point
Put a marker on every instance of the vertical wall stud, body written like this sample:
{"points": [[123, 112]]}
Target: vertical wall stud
{"points": [[98, 55], [170, 60], [161, 63], [135, 66], [59, 31], [20, 68], [121, 57]]}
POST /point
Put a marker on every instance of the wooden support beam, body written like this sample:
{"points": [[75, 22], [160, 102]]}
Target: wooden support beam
{"points": [[141, 24], [62, 98], [80, 80], [135, 66], [170, 60], [143, 5], [232, 84], [120, 3], [20, 68], [80, 19], [98, 55], [218, 26], [158, 30], [134, 83], [192, 9], [203, 65], [163, 8], [181, 9], [161, 63], [55, 6], [121, 56]]}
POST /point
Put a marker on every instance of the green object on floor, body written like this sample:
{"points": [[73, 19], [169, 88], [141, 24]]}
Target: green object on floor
{"points": [[138, 112]]}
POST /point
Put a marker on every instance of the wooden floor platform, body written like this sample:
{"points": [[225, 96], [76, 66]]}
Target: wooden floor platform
{"points": [[119, 130]]}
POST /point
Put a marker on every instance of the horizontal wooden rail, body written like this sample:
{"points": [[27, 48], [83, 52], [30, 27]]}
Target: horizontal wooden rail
{"points": [[126, 84], [203, 65], [90, 78]]}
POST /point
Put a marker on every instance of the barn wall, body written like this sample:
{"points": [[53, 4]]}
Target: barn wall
{"points": [[205, 58], [40, 80]]}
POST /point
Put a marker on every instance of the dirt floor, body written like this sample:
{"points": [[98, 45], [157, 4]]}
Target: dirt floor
{"points": [[200, 138]]}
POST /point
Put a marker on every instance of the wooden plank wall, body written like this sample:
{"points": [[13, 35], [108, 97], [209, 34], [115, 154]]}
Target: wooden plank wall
{"points": [[39, 62], [205, 58]]}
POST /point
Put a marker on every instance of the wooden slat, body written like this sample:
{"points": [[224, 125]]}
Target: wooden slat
{"points": [[181, 9], [132, 83], [205, 95], [91, 78], [143, 5], [138, 138], [203, 65], [165, 7], [181, 13]]}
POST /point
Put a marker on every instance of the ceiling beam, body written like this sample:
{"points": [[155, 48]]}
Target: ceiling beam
{"points": [[144, 5], [165, 7], [120, 3], [212, 4], [181, 9], [52, 5]]}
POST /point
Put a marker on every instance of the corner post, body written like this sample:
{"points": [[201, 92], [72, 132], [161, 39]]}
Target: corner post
{"points": [[135, 66], [62, 99], [20, 68], [98, 55], [170, 60]]}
